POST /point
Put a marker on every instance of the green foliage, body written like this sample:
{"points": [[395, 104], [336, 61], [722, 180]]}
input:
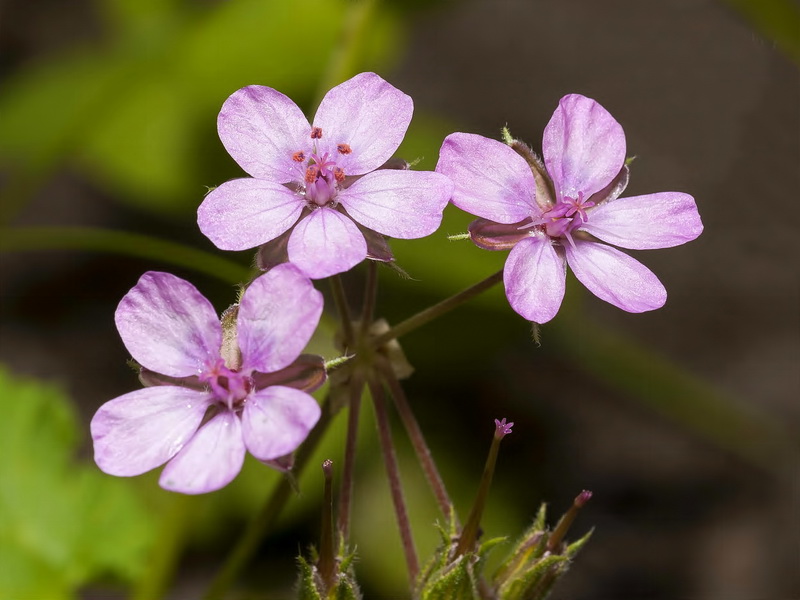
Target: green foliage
{"points": [[129, 114], [62, 524]]}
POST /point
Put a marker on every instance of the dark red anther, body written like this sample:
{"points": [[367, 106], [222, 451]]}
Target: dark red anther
{"points": [[338, 174], [316, 133], [312, 173], [299, 156], [344, 148]]}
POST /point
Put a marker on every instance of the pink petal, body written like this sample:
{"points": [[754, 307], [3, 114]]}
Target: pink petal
{"points": [[276, 420], [261, 129], [534, 277], [400, 204], [211, 459], [326, 242], [142, 430], [583, 147], [659, 220], [168, 326], [616, 277], [278, 314], [245, 213], [491, 180], [369, 115]]}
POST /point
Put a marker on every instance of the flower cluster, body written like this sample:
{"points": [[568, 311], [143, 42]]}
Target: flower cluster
{"points": [[321, 196]]}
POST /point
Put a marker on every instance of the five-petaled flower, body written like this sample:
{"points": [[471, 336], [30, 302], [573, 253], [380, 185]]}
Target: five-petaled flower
{"points": [[317, 189], [215, 391], [556, 213]]}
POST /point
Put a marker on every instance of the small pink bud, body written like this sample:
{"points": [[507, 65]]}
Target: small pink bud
{"points": [[583, 498]]}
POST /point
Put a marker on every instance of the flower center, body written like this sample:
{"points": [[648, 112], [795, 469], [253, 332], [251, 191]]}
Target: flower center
{"points": [[567, 215], [322, 176], [229, 386]]}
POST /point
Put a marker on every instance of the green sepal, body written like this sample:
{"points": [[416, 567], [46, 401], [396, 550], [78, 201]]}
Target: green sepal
{"points": [[530, 571], [311, 586], [307, 588], [457, 581]]}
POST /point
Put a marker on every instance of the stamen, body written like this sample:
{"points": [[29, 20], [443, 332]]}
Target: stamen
{"points": [[338, 174], [312, 173], [316, 133], [344, 148], [299, 156]]}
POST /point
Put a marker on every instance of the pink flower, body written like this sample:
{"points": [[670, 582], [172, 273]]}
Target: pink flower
{"points": [[316, 190], [558, 212], [215, 390]]}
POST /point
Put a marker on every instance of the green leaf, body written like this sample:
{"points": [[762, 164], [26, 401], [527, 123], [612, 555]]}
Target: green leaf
{"points": [[62, 524]]}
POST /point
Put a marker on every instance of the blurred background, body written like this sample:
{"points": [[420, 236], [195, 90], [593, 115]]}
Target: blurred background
{"points": [[684, 422]]}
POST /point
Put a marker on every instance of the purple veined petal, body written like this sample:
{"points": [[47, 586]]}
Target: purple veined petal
{"points": [[261, 129], [659, 220], [583, 147], [277, 420], [368, 115], [244, 213], [168, 326], [490, 179], [497, 236], [211, 459], [535, 279], [325, 243], [278, 314], [306, 373], [615, 277], [142, 430], [400, 204]]}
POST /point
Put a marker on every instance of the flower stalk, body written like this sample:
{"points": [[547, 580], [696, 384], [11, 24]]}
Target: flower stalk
{"points": [[417, 440], [469, 535], [327, 558], [437, 310], [395, 485]]}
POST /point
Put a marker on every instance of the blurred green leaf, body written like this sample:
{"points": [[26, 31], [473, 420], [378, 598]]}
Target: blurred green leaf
{"points": [[777, 20], [138, 116], [22, 239], [62, 524]]}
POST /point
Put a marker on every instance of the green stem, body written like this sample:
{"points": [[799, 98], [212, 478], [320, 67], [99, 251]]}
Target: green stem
{"points": [[26, 239], [469, 535], [327, 558], [395, 485], [248, 543], [437, 310], [340, 300]]}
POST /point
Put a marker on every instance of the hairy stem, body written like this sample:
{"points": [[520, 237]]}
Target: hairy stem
{"points": [[417, 439], [346, 490], [437, 310], [395, 485]]}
